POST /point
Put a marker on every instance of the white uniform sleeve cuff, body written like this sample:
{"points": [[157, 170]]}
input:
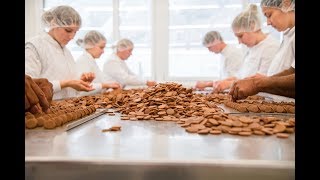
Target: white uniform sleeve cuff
{"points": [[97, 86], [56, 86]]}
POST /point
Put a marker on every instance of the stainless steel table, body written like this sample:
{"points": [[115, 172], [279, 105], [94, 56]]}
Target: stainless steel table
{"points": [[154, 150]]}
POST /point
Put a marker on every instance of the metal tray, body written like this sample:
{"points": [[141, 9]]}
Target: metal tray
{"points": [[262, 114], [73, 124]]}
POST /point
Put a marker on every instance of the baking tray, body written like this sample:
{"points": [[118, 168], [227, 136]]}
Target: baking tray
{"points": [[73, 124], [76, 123], [262, 114]]}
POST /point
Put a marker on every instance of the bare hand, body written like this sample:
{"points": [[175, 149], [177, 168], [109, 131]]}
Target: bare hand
{"points": [[151, 83], [80, 85], [35, 98], [113, 85], [257, 75], [46, 87], [200, 85], [88, 77], [222, 85], [241, 89]]}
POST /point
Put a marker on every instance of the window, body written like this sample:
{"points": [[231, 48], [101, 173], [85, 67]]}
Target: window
{"points": [[190, 20], [167, 34], [135, 24]]}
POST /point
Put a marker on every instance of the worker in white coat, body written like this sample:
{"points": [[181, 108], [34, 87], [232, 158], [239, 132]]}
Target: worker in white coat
{"points": [[116, 67], [231, 57], [262, 47], [93, 44], [285, 57], [280, 15], [46, 55]]}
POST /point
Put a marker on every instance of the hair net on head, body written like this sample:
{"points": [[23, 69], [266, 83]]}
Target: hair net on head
{"points": [[61, 16], [91, 39], [248, 20], [123, 45], [283, 5], [211, 38]]}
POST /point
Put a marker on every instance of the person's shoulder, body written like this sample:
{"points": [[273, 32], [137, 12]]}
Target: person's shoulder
{"points": [[112, 60], [38, 42], [271, 41], [82, 58]]}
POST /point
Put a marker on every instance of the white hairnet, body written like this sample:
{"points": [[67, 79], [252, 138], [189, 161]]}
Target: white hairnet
{"points": [[61, 16], [91, 39], [211, 38], [123, 45], [283, 5], [248, 20]]}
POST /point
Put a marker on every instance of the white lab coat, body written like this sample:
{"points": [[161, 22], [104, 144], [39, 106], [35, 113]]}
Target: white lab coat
{"points": [[118, 70], [285, 56], [258, 58], [45, 58], [86, 63], [232, 58]]}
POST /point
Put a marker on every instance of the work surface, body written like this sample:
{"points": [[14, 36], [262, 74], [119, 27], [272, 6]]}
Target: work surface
{"points": [[149, 149], [152, 140], [155, 148]]}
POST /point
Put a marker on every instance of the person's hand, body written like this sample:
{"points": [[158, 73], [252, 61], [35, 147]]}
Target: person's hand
{"points": [[220, 86], [257, 75], [113, 85], [151, 83], [80, 85], [88, 77], [200, 85], [46, 87], [241, 89], [35, 99]]}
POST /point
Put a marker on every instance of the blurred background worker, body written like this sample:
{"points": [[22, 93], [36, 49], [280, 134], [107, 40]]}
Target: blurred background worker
{"points": [[46, 55], [93, 44], [231, 58], [116, 67], [281, 16], [262, 47]]}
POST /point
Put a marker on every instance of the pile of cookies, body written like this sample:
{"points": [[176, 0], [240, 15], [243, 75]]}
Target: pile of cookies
{"points": [[197, 113], [254, 103], [194, 112], [239, 125]]}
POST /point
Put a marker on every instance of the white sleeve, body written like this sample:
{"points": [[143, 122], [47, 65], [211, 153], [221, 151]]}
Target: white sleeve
{"points": [[32, 61], [233, 64], [266, 59], [294, 53], [293, 64], [33, 65], [81, 68], [118, 73]]}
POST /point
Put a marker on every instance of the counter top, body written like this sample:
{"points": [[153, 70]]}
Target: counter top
{"points": [[154, 150], [157, 143]]}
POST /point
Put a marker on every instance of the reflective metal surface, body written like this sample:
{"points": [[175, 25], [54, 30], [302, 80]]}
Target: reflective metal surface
{"points": [[152, 142], [154, 150]]}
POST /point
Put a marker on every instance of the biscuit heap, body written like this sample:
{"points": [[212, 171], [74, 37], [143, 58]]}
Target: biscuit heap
{"points": [[197, 113], [194, 112], [61, 112], [253, 104], [239, 125]]}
